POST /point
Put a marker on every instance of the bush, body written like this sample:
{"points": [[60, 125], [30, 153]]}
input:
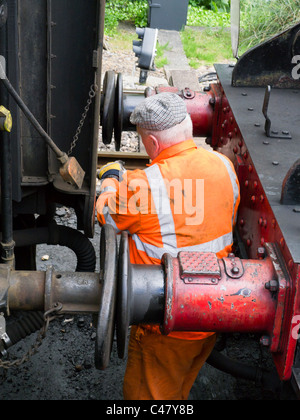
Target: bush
{"points": [[217, 5], [116, 11], [201, 17]]}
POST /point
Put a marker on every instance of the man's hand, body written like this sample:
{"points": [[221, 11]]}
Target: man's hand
{"points": [[111, 170]]}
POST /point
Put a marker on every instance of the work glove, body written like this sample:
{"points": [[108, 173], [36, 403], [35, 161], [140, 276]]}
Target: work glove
{"points": [[111, 170]]}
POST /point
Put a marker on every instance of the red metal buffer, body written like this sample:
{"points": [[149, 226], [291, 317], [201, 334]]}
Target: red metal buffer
{"points": [[205, 294], [199, 292]]}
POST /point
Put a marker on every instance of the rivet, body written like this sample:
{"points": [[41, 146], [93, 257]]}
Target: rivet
{"points": [[275, 163], [235, 270]]}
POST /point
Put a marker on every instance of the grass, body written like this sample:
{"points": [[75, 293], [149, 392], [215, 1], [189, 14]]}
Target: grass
{"points": [[202, 47], [122, 38], [161, 60], [207, 46]]}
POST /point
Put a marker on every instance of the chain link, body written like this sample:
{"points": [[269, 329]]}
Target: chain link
{"points": [[48, 317], [92, 94]]}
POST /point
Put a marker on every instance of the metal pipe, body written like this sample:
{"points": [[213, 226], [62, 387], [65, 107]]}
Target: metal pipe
{"points": [[33, 290], [6, 174], [60, 154], [147, 291]]}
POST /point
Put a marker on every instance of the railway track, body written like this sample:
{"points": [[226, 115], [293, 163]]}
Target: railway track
{"points": [[132, 160]]}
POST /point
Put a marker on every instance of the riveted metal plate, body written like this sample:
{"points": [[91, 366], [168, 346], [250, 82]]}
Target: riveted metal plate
{"points": [[233, 267], [199, 267]]}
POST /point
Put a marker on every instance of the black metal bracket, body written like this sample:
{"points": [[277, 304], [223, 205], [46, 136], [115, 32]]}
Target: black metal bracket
{"points": [[276, 134]]}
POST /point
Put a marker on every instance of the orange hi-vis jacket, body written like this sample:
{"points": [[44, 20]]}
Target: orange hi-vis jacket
{"points": [[186, 200]]}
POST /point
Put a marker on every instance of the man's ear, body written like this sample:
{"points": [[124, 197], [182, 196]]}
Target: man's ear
{"points": [[155, 144]]}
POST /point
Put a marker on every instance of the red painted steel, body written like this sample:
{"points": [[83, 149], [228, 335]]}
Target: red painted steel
{"points": [[214, 299]]}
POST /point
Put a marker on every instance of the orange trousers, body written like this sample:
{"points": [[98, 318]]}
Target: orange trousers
{"points": [[161, 367]]}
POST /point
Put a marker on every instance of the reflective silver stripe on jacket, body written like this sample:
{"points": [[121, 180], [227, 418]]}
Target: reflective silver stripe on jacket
{"points": [[166, 221], [215, 246], [163, 208], [108, 219]]}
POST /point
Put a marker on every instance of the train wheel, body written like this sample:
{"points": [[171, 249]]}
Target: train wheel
{"points": [[119, 112], [108, 276], [108, 106]]}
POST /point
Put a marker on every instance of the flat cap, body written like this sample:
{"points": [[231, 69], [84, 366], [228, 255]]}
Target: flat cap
{"points": [[159, 112]]}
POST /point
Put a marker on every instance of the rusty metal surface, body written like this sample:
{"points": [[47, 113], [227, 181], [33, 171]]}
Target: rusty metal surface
{"points": [[31, 290], [72, 172]]}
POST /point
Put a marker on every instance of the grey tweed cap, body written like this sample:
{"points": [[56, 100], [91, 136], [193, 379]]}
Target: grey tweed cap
{"points": [[159, 112]]}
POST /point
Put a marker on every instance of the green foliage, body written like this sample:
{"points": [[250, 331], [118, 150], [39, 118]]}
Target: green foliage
{"points": [[198, 16], [117, 11], [261, 19], [216, 5]]}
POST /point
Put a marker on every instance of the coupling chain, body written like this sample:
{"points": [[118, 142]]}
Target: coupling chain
{"points": [[92, 94], [48, 317]]}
